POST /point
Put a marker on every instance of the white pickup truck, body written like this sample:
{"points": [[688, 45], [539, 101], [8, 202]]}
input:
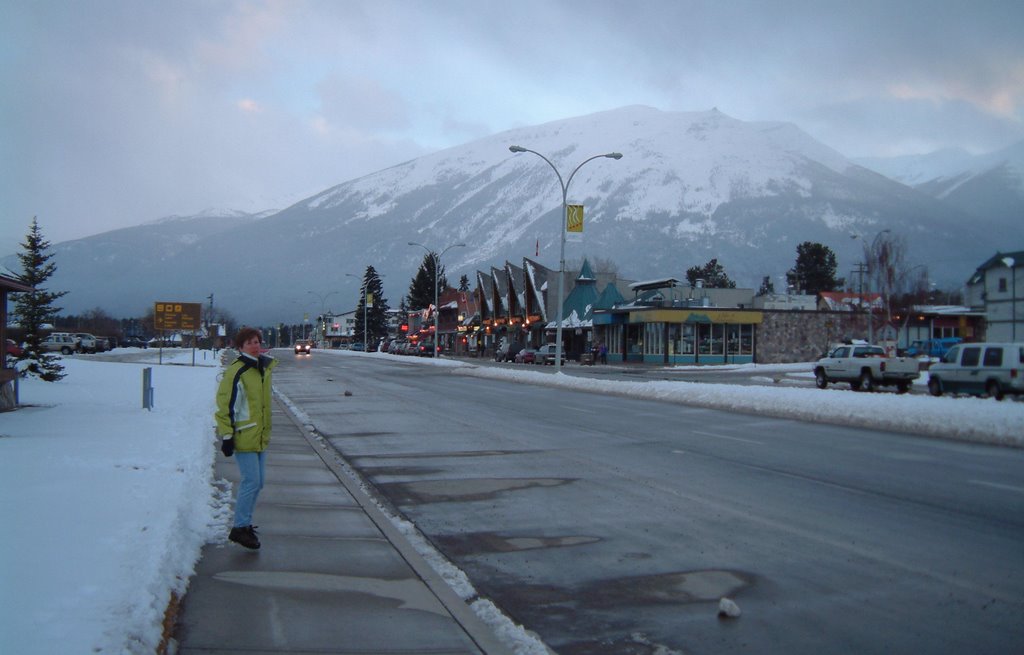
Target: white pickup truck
{"points": [[865, 367]]}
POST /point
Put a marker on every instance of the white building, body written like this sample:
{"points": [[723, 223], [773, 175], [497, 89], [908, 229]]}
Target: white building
{"points": [[997, 289]]}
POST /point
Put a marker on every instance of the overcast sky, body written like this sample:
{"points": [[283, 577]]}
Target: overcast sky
{"points": [[119, 112]]}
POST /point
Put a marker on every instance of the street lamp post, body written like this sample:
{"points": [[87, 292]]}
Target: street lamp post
{"points": [[565, 222], [1011, 263], [437, 274], [362, 289], [323, 303]]}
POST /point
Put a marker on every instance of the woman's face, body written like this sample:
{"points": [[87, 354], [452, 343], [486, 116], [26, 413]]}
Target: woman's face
{"points": [[252, 346]]}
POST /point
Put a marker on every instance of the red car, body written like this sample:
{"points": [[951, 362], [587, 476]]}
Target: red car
{"points": [[526, 356], [13, 349]]}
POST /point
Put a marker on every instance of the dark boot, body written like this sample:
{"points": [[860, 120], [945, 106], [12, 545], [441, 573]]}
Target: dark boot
{"points": [[245, 537]]}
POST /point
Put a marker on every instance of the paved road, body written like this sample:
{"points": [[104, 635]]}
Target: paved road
{"points": [[615, 525]]}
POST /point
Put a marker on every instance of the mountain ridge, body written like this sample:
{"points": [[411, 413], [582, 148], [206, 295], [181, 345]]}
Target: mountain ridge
{"points": [[691, 186]]}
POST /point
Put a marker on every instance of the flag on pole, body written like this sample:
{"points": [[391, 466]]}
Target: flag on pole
{"points": [[537, 251]]}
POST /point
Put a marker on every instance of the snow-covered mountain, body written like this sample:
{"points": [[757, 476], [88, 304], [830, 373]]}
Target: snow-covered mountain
{"points": [[989, 186], [689, 187]]}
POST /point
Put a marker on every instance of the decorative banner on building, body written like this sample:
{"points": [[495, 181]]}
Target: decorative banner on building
{"points": [[574, 222]]}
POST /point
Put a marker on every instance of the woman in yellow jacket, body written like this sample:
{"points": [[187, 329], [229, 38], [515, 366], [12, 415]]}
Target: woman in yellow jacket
{"points": [[243, 423]]}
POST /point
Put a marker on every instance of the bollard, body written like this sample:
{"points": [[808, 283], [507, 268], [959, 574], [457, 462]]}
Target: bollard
{"points": [[147, 388]]}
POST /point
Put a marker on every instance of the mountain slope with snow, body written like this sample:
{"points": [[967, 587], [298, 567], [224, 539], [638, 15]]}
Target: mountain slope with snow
{"points": [[690, 186]]}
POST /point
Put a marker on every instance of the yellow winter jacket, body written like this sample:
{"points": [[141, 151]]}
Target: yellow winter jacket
{"points": [[244, 402]]}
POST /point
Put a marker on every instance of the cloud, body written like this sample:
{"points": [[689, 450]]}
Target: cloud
{"points": [[123, 112]]}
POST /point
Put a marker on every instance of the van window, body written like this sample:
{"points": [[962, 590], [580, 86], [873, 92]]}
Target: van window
{"points": [[971, 357], [952, 356], [993, 357]]}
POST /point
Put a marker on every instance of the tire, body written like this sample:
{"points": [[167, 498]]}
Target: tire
{"points": [[820, 379], [65, 350], [994, 390], [867, 383], [934, 387]]}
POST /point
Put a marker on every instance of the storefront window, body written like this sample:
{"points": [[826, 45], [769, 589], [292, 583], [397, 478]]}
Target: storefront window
{"points": [[688, 340], [653, 333]]}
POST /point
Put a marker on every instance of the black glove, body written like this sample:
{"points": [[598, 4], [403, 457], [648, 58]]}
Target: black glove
{"points": [[227, 446]]}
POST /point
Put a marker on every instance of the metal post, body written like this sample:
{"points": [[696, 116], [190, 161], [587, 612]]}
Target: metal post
{"points": [[561, 253], [437, 273], [1011, 264]]}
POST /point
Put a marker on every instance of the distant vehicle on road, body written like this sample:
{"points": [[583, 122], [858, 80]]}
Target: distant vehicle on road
{"points": [[303, 347], [865, 367]]}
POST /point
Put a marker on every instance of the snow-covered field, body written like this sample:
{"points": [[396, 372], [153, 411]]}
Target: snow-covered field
{"points": [[107, 505]]}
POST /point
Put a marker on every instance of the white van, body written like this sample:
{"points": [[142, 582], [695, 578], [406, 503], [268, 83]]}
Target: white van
{"points": [[993, 369]]}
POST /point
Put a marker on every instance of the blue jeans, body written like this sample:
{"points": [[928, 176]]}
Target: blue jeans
{"points": [[251, 467]]}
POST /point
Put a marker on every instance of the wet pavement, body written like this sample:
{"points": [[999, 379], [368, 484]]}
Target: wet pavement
{"points": [[333, 574]]}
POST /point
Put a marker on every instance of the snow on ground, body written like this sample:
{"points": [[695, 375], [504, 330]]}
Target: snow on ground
{"points": [[106, 506]]}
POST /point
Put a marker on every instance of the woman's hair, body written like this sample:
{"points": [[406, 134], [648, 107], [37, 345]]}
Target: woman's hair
{"points": [[245, 334]]}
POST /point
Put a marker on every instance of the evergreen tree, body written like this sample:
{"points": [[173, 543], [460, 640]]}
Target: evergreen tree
{"points": [[464, 283], [767, 287], [815, 269], [421, 289], [376, 311], [34, 309], [713, 275]]}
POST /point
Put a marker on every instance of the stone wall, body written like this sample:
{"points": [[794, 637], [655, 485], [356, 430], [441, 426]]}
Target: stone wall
{"points": [[796, 336]]}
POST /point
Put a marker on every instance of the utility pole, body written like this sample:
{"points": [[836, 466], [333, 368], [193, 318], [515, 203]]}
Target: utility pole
{"points": [[861, 270]]}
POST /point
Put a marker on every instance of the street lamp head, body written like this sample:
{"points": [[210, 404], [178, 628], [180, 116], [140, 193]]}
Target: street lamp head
{"points": [[516, 149], [614, 155]]}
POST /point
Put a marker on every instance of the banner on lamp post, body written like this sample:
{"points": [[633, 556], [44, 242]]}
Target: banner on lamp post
{"points": [[574, 222]]}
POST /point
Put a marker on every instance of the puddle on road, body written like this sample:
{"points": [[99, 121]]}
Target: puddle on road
{"points": [[490, 542], [461, 490], [680, 587]]}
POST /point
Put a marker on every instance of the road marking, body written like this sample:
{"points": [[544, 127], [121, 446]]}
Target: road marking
{"points": [[996, 485], [722, 436]]}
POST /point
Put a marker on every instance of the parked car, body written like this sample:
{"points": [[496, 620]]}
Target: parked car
{"points": [[507, 350], [13, 349], [931, 347], [526, 356], [303, 347], [865, 367], [61, 342], [426, 349], [134, 342], [88, 342], [357, 346], [993, 369], [546, 354]]}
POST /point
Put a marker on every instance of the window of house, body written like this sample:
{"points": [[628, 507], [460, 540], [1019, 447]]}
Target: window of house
{"points": [[1002, 285]]}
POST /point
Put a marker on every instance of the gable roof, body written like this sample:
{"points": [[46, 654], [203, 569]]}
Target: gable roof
{"points": [[609, 297]]}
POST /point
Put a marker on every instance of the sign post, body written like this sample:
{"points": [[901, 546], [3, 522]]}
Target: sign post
{"points": [[177, 317]]}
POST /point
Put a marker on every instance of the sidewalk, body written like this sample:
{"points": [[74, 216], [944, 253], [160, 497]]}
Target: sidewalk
{"points": [[333, 575]]}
